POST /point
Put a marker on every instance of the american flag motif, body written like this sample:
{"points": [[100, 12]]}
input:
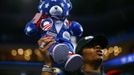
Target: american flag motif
{"points": [[46, 26], [67, 23]]}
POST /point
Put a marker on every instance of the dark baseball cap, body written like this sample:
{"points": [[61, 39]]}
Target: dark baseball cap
{"points": [[91, 41]]}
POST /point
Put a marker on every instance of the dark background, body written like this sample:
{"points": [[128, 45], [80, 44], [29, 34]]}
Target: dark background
{"points": [[113, 18]]}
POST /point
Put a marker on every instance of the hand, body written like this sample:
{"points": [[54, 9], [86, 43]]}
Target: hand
{"points": [[45, 43], [44, 49]]}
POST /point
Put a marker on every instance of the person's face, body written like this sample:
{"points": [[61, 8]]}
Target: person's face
{"points": [[91, 54]]}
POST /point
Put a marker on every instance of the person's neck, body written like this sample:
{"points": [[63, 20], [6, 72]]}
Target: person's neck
{"points": [[88, 68]]}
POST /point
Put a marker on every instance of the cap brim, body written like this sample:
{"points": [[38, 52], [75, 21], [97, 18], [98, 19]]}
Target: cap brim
{"points": [[97, 40], [100, 40]]}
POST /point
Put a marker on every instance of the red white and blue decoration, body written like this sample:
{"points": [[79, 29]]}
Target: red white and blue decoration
{"points": [[52, 21]]}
